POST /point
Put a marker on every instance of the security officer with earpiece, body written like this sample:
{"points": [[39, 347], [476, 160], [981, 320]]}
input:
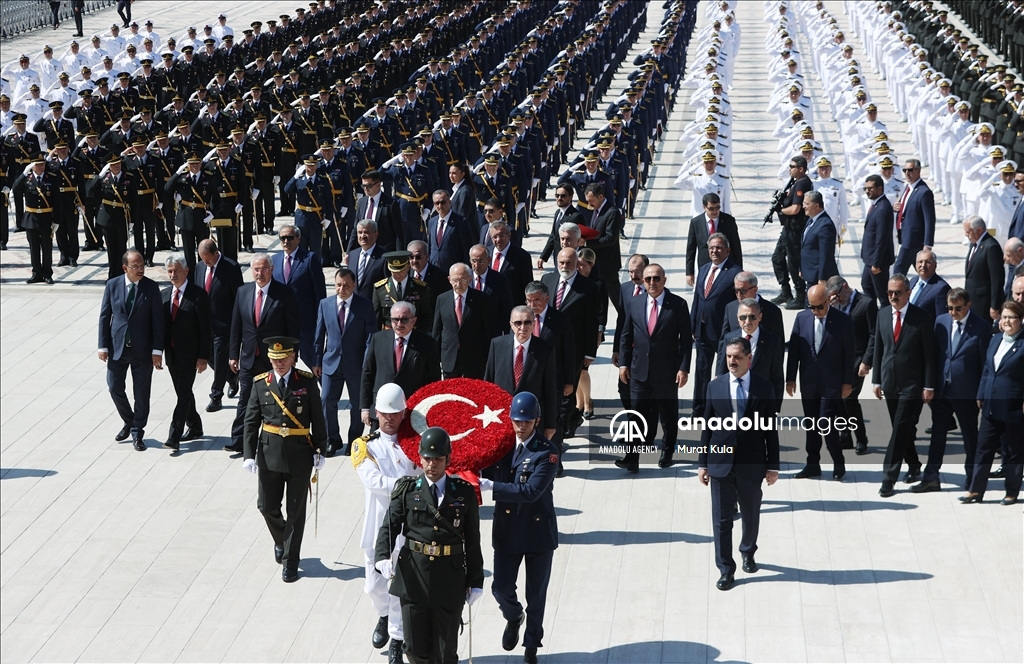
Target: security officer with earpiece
{"points": [[440, 567], [524, 525]]}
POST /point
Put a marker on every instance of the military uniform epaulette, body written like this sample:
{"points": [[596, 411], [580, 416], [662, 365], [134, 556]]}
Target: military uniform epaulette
{"points": [[261, 376], [404, 484], [457, 481], [304, 374], [381, 282], [360, 452], [416, 281]]}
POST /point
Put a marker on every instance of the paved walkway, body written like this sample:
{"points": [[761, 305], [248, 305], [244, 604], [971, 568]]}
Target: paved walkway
{"points": [[112, 555]]}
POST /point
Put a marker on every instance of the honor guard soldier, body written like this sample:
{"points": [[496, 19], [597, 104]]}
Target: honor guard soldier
{"points": [[493, 183], [413, 183], [440, 567], [524, 525], [171, 159], [248, 154], [705, 180], [231, 187], [581, 176], [92, 156], [72, 186], [24, 145], [194, 190], [40, 189], [284, 438], [314, 204], [117, 190], [268, 150], [7, 171], [401, 287], [336, 171], [148, 216], [380, 463], [55, 128], [288, 159]]}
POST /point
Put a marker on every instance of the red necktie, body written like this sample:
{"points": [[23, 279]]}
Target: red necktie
{"points": [[440, 231], [561, 294], [479, 285], [398, 353], [899, 328], [287, 268], [497, 261], [517, 368], [258, 312], [903, 206], [369, 209], [209, 279], [636, 290], [458, 309], [341, 317], [652, 319], [711, 225], [711, 281], [175, 303], [536, 327]]}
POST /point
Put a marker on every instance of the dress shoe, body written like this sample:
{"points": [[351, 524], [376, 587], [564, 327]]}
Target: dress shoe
{"points": [[530, 656], [380, 633], [1008, 500], [561, 470], [782, 298], [625, 465], [330, 451], [34, 280], [838, 474], [997, 473], [913, 475], [666, 460], [192, 433], [123, 434], [63, 262], [971, 498], [928, 431], [510, 637], [926, 487], [588, 414], [395, 652], [886, 491], [725, 582], [247, 250], [74, 263], [150, 263], [138, 443], [278, 554], [232, 390], [795, 304], [808, 471], [847, 442], [48, 281], [749, 565], [213, 406], [861, 449], [171, 444], [289, 575], [237, 449]]}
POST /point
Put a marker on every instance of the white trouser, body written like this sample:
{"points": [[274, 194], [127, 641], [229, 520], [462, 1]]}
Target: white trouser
{"points": [[384, 603]]}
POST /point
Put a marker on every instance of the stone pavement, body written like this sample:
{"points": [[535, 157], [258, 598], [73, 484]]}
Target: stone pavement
{"points": [[112, 555]]}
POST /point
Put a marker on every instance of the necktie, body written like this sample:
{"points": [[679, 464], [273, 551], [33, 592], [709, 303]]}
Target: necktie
{"points": [[536, 327], [903, 207], [918, 287], [398, 292], [711, 226], [561, 294], [741, 397], [209, 279], [478, 285], [130, 302], [517, 368], [970, 254], [711, 281], [819, 331], [440, 231], [258, 311], [637, 290], [496, 265], [558, 217], [282, 384], [175, 303], [898, 328], [341, 316], [363, 259], [398, 353], [652, 318], [956, 335], [458, 309], [593, 220], [433, 493], [369, 208], [287, 268]]}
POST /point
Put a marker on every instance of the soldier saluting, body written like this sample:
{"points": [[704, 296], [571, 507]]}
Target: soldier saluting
{"points": [[440, 567], [284, 435]]}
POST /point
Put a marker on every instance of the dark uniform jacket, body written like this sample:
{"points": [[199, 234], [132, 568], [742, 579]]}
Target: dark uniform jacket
{"points": [[276, 453], [524, 509], [415, 292], [196, 199], [42, 198], [114, 197]]}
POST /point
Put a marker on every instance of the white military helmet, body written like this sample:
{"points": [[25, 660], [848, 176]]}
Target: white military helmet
{"points": [[390, 398]]}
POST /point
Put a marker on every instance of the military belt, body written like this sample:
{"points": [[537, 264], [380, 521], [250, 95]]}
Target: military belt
{"points": [[406, 197], [194, 206], [38, 210], [89, 176], [68, 190], [434, 549], [284, 432], [309, 131], [113, 203], [583, 205], [143, 191], [289, 150], [225, 194], [268, 164], [307, 208]]}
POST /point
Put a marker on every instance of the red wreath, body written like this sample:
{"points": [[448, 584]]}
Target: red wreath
{"points": [[474, 412]]}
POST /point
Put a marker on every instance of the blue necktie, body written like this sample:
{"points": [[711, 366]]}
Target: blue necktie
{"points": [[741, 398]]}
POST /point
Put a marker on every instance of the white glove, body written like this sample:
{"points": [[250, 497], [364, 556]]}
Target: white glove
{"points": [[53, 227], [182, 168], [343, 212], [104, 170], [255, 194], [6, 190], [177, 198], [385, 568], [299, 170], [238, 209], [250, 465], [277, 179], [425, 214], [318, 461], [159, 206], [208, 218], [326, 222], [519, 207], [82, 210], [473, 595], [486, 484]]}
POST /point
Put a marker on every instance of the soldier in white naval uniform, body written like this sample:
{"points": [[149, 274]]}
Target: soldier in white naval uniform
{"points": [[706, 180]]}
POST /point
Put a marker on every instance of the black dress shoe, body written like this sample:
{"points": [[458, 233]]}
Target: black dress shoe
{"points": [[138, 443], [886, 491], [625, 465], [171, 444], [913, 475], [74, 263], [237, 449], [192, 433], [666, 460], [232, 390], [48, 281], [395, 652], [123, 434], [794, 305], [1008, 500], [928, 431], [510, 637], [213, 406], [34, 280], [838, 474], [997, 473], [530, 656], [380, 633], [847, 443], [278, 554], [63, 262], [150, 263], [971, 498], [749, 565], [808, 471], [725, 582], [926, 487], [289, 575], [861, 449], [329, 452]]}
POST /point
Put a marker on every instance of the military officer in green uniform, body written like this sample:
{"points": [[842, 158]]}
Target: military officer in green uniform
{"points": [[440, 567], [285, 434], [401, 286]]}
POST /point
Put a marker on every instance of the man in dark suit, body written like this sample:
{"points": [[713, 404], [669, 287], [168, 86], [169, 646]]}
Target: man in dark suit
{"points": [[903, 373], [745, 286], [702, 227], [565, 213], [655, 326], [821, 349], [627, 291], [928, 290], [983, 270], [767, 355], [511, 261], [344, 325], [131, 336], [197, 189], [818, 245], [378, 206], [188, 345], [1013, 257], [862, 312], [301, 270], [915, 217], [876, 248], [420, 268], [606, 220], [263, 308], [553, 327], [735, 475], [402, 355], [1017, 220], [493, 283], [462, 326], [521, 362], [220, 277], [449, 236], [961, 341], [712, 293], [366, 260]]}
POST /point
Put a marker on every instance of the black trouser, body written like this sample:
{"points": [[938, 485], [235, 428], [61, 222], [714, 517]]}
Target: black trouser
{"points": [[78, 21], [330, 395], [145, 233], [966, 411], [333, 246], [503, 587], [5, 224], [227, 236], [67, 229], [818, 407], [40, 249], [702, 373], [124, 10], [93, 233], [786, 259], [431, 633], [19, 212], [116, 239], [183, 377], [245, 377], [291, 488], [142, 381], [725, 493], [905, 260], [993, 435], [853, 411], [248, 211], [654, 403], [221, 372], [265, 212], [876, 286], [903, 413], [55, 11], [190, 243]]}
